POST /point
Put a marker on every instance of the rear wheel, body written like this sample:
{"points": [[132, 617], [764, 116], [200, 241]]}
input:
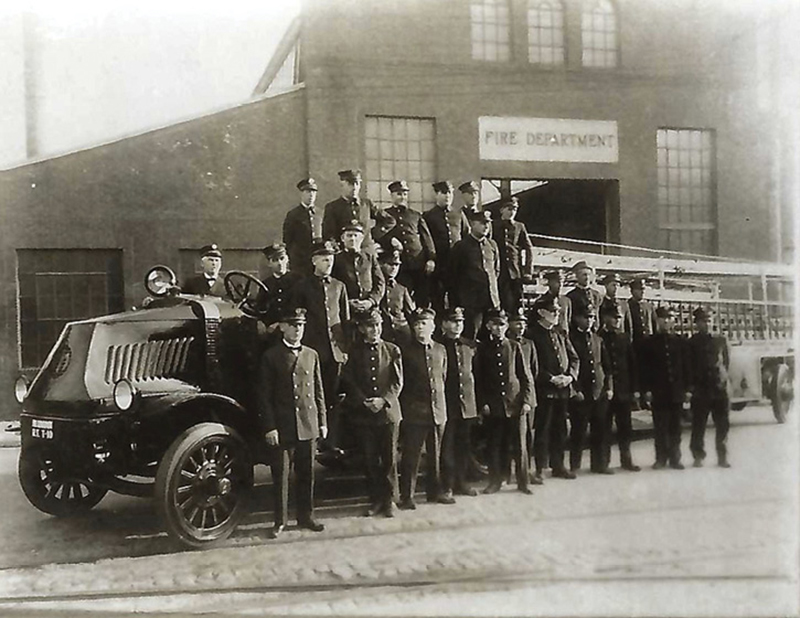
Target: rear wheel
{"points": [[51, 489], [782, 392], [203, 484]]}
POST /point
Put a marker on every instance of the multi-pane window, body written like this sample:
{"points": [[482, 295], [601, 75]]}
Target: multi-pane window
{"points": [[56, 286], [491, 30], [686, 190], [400, 149], [599, 34], [546, 32]]}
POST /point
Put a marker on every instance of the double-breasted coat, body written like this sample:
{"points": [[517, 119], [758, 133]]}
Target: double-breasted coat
{"points": [[373, 370], [361, 275], [556, 356], [424, 371], [325, 300], [503, 380], [341, 211], [516, 249], [595, 376], [301, 226], [665, 369], [474, 269], [624, 368], [460, 381]]}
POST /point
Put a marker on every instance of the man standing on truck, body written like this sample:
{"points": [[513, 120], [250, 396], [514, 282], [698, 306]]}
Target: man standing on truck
{"points": [[291, 405], [710, 361], [302, 226], [209, 283]]}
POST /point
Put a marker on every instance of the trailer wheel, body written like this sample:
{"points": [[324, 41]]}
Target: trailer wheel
{"points": [[782, 392], [203, 484], [49, 488]]}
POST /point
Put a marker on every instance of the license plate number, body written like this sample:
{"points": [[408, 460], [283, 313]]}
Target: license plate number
{"points": [[42, 429]]}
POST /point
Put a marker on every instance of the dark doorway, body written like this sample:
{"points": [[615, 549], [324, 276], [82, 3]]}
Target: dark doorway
{"points": [[572, 209]]}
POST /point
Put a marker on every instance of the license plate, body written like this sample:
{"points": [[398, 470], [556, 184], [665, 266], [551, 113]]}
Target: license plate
{"points": [[42, 429]]}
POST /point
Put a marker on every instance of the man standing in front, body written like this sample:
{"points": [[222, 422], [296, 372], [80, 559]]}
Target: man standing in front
{"points": [[291, 407], [349, 207], [301, 227], [372, 380], [424, 410], [326, 302], [642, 314], [665, 380], [459, 387], [505, 399], [516, 256], [474, 270], [448, 225], [710, 361], [209, 283], [593, 390], [558, 369]]}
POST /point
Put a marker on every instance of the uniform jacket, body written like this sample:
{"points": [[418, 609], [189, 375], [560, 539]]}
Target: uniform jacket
{"points": [[556, 356], [710, 360], [665, 369], [412, 231], [300, 228], [373, 370], [565, 317], [531, 363], [474, 269], [513, 242], [424, 373], [289, 393], [581, 297], [199, 285], [624, 367], [594, 373], [642, 319], [279, 298], [445, 235], [325, 300], [459, 384], [396, 305], [503, 380], [361, 275], [340, 212]]}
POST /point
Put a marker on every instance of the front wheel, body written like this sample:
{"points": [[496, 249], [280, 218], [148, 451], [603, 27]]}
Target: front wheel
{"points": [[782, 392], [203, 484], [51, 489]]}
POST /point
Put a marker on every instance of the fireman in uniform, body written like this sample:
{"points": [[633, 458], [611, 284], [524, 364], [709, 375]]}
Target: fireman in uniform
{"points": [[471, 196], [291, 406], [555, 282], [280, 282], [665, 380], [301, 227], [459, 387], [642, 313], [611, 283], [209, 283], [372, 380], [349, 206], [396, 304], [710, 361], [583, 294], [358, 270], [516, 255]]}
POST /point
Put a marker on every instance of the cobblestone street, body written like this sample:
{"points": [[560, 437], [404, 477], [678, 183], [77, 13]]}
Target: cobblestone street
{"points": [[700, 541]]}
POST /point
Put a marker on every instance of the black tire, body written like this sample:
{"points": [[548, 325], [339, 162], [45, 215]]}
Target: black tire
{"points": [[203, 484], [782, 392], [51, 489]]}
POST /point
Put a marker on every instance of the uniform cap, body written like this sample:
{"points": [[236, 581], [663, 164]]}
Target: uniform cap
{"points": [[350, 176], [701, 314], [307, 184], [323, 247], [495, 315], [545, 303], [454, 314], [443, 186], [423, 313], [210, 250], [512, 203], [294, 316], [390, 256], [353, 226], [479, 215], [611, 277], [638, 284], [372, 316], [274, 251], [552, 274], [397, 186], [580, 266], [519, 316], [664, 311], [469, 187]]}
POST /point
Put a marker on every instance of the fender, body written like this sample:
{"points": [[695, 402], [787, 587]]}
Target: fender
{"points": [[159, 404]]}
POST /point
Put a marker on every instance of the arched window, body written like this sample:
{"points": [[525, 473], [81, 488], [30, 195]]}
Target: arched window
{"points": [[546, 32], [491, 30], [600, 34]]}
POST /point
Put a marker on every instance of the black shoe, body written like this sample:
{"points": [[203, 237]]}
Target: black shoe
{"points": [[723, 463], [311, 524], [537, 479], [563, 474], [407, 504], [491, 488], [525, 490], [677, 466], [276, 530], [659, 465], [631, 467], [604, 471], [698, 462], [445, 498], [466, 491], [388, 509]]}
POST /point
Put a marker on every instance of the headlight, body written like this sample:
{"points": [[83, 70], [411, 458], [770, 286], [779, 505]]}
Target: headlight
{"points": [[124, 395], [21, 388], [160, 280]]}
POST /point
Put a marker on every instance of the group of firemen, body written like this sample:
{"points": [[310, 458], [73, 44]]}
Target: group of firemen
{"points": [[393, 327]]}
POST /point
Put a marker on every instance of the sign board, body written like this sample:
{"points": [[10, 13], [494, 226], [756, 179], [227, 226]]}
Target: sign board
{"points": [[548, 139]]}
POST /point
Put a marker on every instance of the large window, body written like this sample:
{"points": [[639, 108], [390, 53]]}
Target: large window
{"points": [[491, 30], [686, 190], [400, 149], [599, 34], [545, 32], [56, 286]]}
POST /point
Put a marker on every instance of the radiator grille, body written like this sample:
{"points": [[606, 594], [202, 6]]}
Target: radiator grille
{"points": [[150, 360]]}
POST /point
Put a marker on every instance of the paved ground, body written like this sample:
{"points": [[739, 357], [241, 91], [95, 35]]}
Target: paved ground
{"points": [[695, 542]]}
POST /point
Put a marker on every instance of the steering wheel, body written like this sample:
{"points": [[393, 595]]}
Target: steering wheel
{"points": [[238, 285]]}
